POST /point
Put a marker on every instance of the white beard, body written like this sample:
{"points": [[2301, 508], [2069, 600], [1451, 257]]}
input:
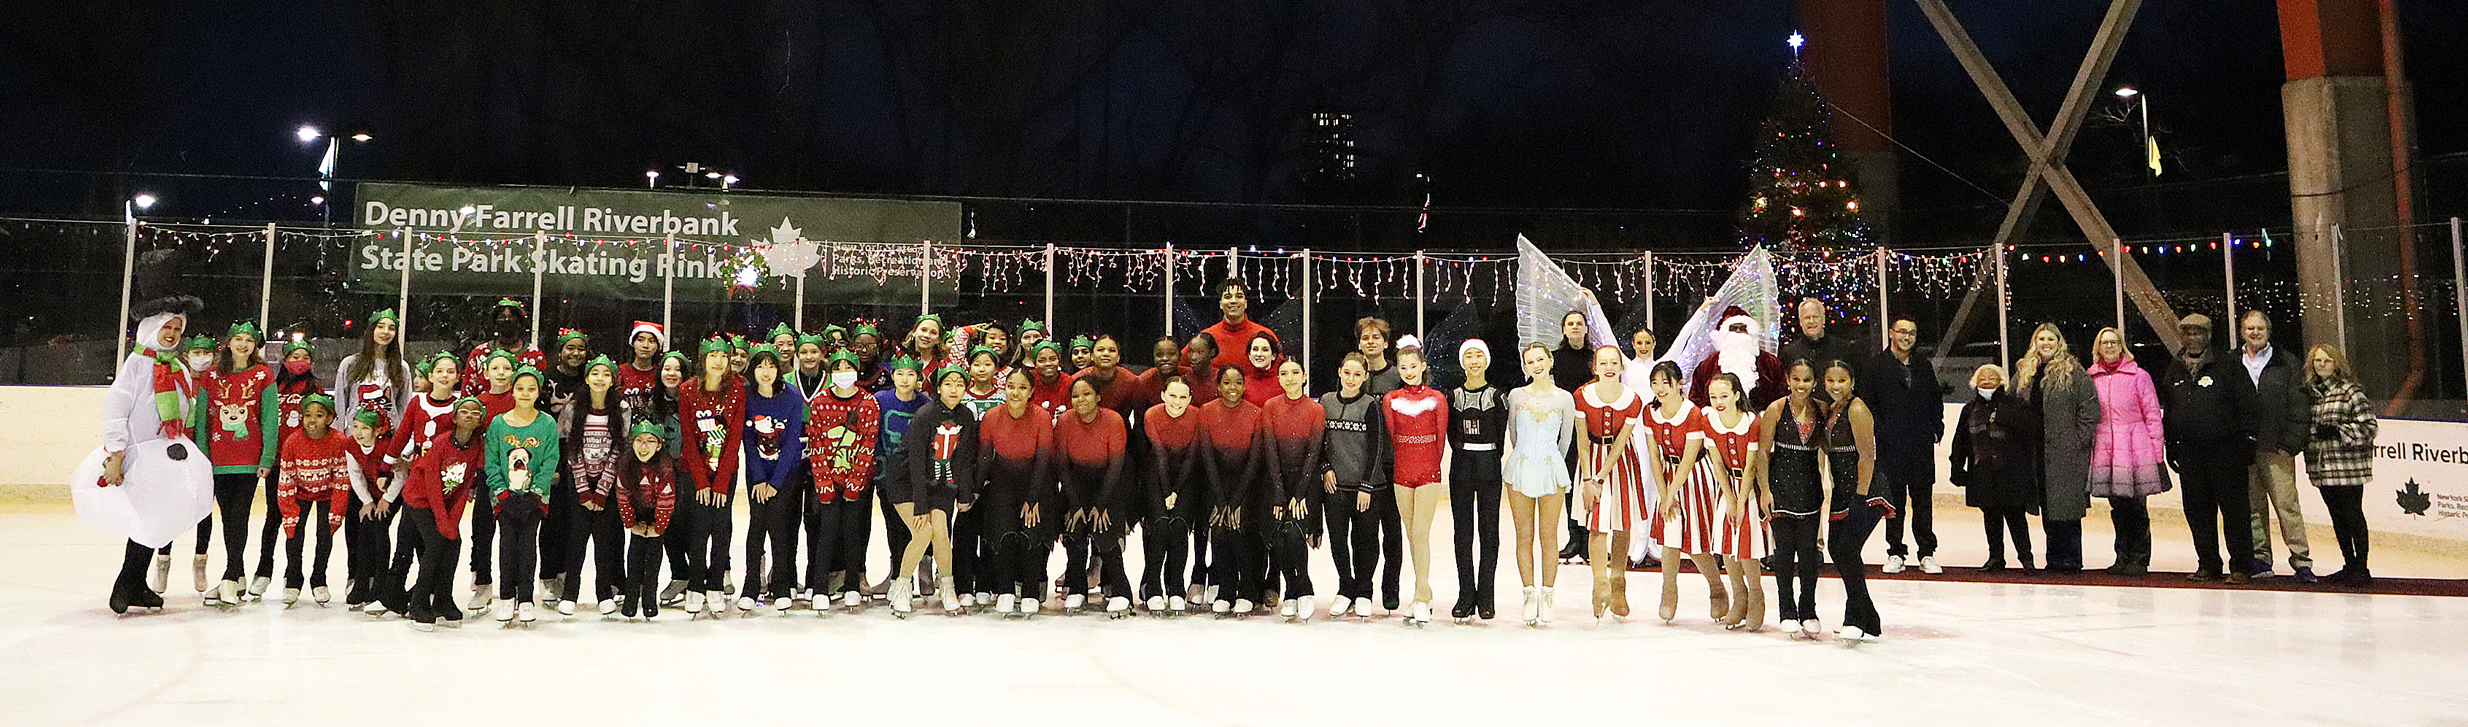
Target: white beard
{"points": [[1736, 354]]}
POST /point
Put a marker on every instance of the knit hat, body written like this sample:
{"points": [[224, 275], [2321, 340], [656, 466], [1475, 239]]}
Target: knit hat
{"points": [[655, 329], [1473, 344]]}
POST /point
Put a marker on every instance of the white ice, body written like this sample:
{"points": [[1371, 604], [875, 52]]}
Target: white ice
{"points": [[1956, 653]]}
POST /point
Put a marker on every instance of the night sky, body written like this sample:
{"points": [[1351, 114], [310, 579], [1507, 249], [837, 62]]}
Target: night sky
{"points": [[1578, 104]]}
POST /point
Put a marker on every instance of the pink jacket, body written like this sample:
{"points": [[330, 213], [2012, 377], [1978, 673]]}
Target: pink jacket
{"points": [[2128, 458]]}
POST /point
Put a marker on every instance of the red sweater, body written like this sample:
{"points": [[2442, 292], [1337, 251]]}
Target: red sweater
{"points": [[1260, 385], [714, 423], [287, 397], [315, 468], [370, 475], [635, 384], [1052, 396], [423, 420], [841, 435], [654, 489], [1092, 462], [1236, 448], [1234, 342], [1417, 419], [1294, 434], [236, 423], [475, 368], [1014, 455], [442, 477]]}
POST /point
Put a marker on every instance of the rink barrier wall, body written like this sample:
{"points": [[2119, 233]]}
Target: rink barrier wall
{"points": [[53, 427]]}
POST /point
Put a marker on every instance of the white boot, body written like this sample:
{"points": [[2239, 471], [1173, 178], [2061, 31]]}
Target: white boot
{"points": [[291, 596], [1286, 610], [1303, 608], [717, 602], [1006, 603], [197, 567], [1073, 602], [503, 609], [1156, 605], [1176, 604], [694, 602], [565, 608], [479, 598], [1893, 564], [901, 604], [852, 600], [1118, 606], [258, 586], [1362, 607], [321, 595], [161, 578], [1532, 610], [608, 607], [1030, 606], [229, 593], [1421, 613], [1547, 605], [525, 612], [951, 597], [1243, 608]]}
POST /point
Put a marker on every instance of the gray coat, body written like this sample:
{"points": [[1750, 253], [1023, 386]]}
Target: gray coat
{"points": [[2069, 409]]}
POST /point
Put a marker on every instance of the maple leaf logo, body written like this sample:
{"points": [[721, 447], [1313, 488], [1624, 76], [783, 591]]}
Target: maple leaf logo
{"points": [[789, 253], [2413, 499]]}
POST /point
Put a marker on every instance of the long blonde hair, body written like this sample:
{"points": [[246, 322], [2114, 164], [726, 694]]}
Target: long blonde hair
{"points": [[2030, 366]]}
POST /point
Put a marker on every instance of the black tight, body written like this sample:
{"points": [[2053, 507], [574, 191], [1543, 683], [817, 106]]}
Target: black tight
{"points": [[1999, 520], [231, 495], [2347, 506], [1848, 535], [1796, 559], [313, 516], [1167, 542]]}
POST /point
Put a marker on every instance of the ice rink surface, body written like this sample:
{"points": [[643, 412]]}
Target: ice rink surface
{"points": [[1955, 653]]}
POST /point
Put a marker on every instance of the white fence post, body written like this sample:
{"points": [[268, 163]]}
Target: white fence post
{"points": [[265, 289]]}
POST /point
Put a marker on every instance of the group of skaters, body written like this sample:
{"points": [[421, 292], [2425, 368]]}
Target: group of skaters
{"points": [[981, 447]]}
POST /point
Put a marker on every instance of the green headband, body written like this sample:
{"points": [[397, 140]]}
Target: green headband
{"points": [[320, 400], [510, 303], [828, 330], [736, 340], [1080, 342], [369, 417], [430, 363], [866, 329], [568, 334], [600, 362], [975, 351], [781, 329], [511, 359], [472, 400], [712, 346], [842, 355], [816, 340], [948, 372], [762, 350], [1044, 346], [200, 343], [680, 356], [907, 362], [522, 372], [1026, 326], [385, 315], [245, 327], [290, 346], [647, 427], [937, 318]]}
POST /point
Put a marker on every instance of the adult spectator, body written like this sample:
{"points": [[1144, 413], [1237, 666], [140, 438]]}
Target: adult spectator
{"points": [[2128, 452], [2340, 458], [1901, 389], [2282, 418], [1818, 348], [2069, 409], [2210, 441]]}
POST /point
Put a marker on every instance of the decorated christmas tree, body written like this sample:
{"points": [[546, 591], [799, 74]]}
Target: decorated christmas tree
{"points": [[1800, 196]]}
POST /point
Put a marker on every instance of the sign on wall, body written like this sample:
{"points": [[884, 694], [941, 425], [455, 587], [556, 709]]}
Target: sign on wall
{"points": [[606, 243], [2420, 480]]}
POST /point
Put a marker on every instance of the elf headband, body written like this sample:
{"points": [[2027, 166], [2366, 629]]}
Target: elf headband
{"points": [[811, 339], [430, 363], [385, 315], [736, 342], [369, 417], [1026, 326], [907, 362], [713, 345], [199, 343], [511, 359], [600, 362], [290, 346], [1044, 346], [522, 372], [680, 356], [510, 303], [318, 399], [779, 330], [245, 327], [471, 401], [937, 318], [647, 427], [866, 329], [1080, 342], [568, 334], [828, 330], [762, 351], [948, 372], [843, 355], [975, 351]]}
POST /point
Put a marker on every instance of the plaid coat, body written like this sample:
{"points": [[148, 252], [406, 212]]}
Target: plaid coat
{"points": [[2340, 448]]}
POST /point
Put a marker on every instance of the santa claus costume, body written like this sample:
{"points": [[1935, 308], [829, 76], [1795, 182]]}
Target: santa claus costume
{"points": [[1739, 350]]}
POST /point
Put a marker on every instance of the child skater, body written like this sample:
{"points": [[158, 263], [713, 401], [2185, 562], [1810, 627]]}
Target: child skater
{"points": [[1542, 423], [1091, 446], [1355, 476], [373, 490], [314, 489], [1477, 424], [968, 543], [496, 391], [1231, 465], [427, 416], [1790, 433], [1297, 428], [645, 499], [438, 483], [241, 421], [940, 478], [293, 383], [843, 432], [197, 358], [712, 410], [1015, 450], [1684, 472], [592, 435], [1171, 502], [1611, 482], [774, 444], [522, 472], [1417, 418], [1740, 536], [1859, 499]]}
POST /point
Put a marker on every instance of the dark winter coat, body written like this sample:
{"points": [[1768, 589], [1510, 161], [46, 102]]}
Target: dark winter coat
{"points": [[2283, 410], [2069, 413], [1995, 453], [1910, 415], [2206, 407]]}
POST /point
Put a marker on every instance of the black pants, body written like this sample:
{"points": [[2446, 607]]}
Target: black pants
{"points": [[394, 584], [1016, 555], [483, 535], [556, 531], [431, 596], [2347, 506], [1232, 553], [1998, 521], [1289, 557], [1353, 541], [835, 541], [1167, 545], [313, 516], [1916, 502], [641, 586], [1392, 545], [2215, 493], [2131, 517], [1107, 548], [600, 531], [1474, 501], [895, 530], [366, 544], [693, 549], [849, 558], [969, 551], [1796, 559], [1847, 536], [519, 548], [2064, 543], [232, 496], [772, 523], [273, 527]]}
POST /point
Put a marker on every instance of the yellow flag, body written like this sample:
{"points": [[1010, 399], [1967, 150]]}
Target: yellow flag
{"points": [[2151, 149]]}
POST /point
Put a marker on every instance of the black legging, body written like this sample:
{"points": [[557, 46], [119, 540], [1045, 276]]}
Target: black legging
{"points": [[1166, 541], [1231, 555], [831, 528], [557, 531], [601, 531], [366, 543], [1392, 545], [1018, 555], [273, 527], [1289, 557], [1997, 521], [2131, 518], [772, 523], [1474, 501], [2347, 506], [969, 551], [1847, 537], [856, 532], [1796, 559], [430, 597], [231, 495], [641, 586], [519, 550], [694, 531], [1107, 548], [313, 516], [1353, 541], [895, 529], [483, 534]]}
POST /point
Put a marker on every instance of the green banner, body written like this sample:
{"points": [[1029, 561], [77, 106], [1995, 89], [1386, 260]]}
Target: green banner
{"points": [[614, 243]]}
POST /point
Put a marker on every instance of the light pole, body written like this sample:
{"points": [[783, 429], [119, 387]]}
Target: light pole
{"points": [[2150, 151], [128, 270], [325, 167]]}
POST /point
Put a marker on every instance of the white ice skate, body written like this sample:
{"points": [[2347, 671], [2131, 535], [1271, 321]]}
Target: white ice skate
{"points": [[321, 595], [1030, 605], [1304, 607], [901, 604], [1073, 602], [1420, 614], [1117, 607]]}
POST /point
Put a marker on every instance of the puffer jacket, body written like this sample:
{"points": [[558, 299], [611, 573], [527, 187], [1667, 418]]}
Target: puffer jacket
{"points": [[2128, 455]]}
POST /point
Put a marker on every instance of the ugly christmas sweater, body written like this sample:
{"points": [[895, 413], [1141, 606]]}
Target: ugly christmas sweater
{"points": [[522, 459], [843, 435], [714, 422], [442, 477], [774, 433], [315, 468], [241, 410]]}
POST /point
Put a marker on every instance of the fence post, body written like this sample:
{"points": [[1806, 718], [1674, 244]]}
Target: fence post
{"points": [[925, 277], [798, 317], [1419, 330], [128, 278], [539, 272], [1307, 288], [2005, 323], [2228, 266], [2459, 288], [1885, 308], [402, 288], [1649, 297], [265, 290], [1049, 285], [668, 287], [1169, 290]]}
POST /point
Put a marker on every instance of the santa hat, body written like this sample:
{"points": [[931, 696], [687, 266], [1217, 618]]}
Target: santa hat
{"points": [[1734, 315], [656, 331]]}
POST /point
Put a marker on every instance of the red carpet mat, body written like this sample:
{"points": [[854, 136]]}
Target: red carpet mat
{"points": [[2281, 582]]}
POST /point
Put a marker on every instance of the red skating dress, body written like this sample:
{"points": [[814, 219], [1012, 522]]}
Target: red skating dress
{"points": [[1741, 532], [1627, 504]]}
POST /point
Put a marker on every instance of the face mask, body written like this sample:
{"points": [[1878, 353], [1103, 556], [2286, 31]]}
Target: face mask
{"points": [[1987, 393], [843, 379], [296, 366], [200, 363]]}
